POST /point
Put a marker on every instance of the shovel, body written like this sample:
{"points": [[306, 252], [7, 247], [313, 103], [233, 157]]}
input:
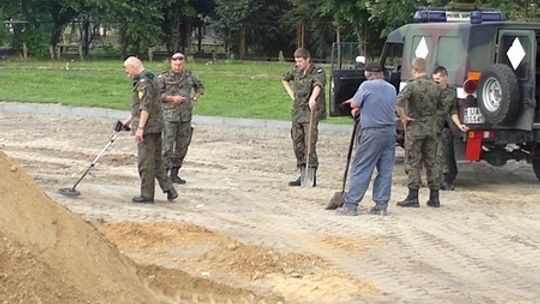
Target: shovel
{"points": [[339, 197], [72, 192], [308, 174]]}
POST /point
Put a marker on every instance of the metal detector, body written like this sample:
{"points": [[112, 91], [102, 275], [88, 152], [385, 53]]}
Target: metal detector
{"points": [[72, 192]]}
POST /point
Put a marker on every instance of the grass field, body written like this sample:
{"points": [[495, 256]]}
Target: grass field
{"points": [[248, 90]]}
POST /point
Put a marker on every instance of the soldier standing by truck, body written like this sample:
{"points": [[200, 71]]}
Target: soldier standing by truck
{"points": [[417, 105], [307, 97], [176, 87], [448, 107]]}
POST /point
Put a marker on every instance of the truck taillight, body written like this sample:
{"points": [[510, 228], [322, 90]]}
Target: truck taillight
{"points": [[471, 84], [482, 134], [473, 149]]}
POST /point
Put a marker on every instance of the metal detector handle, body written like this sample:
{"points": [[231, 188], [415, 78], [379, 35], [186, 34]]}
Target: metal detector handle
{"points": [[113, 138], [119, 126], [349, 154]]}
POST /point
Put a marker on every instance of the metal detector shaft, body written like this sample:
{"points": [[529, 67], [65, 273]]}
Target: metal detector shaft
{"points": [[113, 138]]}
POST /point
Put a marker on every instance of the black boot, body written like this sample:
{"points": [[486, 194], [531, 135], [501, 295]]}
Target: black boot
{"points": [[444, 184], [171, 194], [174, 176], [296, 182], [434, 198], [142, 200], [411, 200]]}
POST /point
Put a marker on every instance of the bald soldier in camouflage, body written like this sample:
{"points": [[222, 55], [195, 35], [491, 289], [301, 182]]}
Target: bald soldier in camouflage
{"points": [[448, 107], [417, 105], [307, 96], [147, 121], [176, 87]]}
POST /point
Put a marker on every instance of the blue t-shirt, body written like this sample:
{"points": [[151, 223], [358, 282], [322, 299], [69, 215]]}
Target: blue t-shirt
{"points": [[377, 102]]}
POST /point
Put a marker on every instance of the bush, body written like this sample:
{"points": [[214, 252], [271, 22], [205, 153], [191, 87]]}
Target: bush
{"points": [[37, 41]]}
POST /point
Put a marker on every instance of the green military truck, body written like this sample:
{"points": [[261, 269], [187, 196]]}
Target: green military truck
{"points": [[494, 65]]}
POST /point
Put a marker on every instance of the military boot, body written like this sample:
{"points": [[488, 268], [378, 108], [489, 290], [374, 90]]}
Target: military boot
{"points": [[296, 182], [171, 194], [444, 184], [434, 198], [174, 176], [142, 200], [411, 200]]}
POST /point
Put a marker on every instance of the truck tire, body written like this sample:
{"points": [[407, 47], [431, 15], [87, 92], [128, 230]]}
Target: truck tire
{"points": [[498, 94], [448, 140], [536, 167]]}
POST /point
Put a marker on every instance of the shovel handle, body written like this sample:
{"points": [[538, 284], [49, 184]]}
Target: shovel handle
{"points": [[349, 155], [310, 132]]}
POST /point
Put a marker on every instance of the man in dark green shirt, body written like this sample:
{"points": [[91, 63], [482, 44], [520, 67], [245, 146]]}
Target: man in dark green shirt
{"points": [[147, 122], [307, 97]]}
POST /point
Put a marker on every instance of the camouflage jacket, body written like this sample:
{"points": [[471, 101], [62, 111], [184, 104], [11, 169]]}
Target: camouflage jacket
{"points": [[303, 86], [448, 104], [175, 84], [421, 99], [146, 97]]}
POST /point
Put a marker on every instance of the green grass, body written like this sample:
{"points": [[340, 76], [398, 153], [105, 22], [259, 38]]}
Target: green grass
{"points": [[247, 90]]}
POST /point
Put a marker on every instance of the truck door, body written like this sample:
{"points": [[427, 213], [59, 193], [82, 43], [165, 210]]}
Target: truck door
{"points": [[517, 49], [347, 75]]}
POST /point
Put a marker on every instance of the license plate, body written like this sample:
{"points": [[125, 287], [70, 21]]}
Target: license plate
{"points": [[473, 116]]}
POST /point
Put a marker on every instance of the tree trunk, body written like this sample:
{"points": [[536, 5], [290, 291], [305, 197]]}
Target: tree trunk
{"points": [[242, 45], [300, 35], [186, 37], [199, 39], [176, 27], [85, 41]]}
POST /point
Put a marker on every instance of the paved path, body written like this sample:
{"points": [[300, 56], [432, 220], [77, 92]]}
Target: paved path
{"points": [[58, 109]]}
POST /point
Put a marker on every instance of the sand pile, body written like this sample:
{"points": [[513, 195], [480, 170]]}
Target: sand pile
{"points": [[49, 255]]}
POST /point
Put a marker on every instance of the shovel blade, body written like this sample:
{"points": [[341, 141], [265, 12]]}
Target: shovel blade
{"points": [[337, 201], [308, 177]]}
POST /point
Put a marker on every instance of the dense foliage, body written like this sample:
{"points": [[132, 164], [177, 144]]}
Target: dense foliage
{"points": [[248, 27]]}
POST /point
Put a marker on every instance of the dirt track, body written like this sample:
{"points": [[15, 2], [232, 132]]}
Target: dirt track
{"points": [[237, 222]]}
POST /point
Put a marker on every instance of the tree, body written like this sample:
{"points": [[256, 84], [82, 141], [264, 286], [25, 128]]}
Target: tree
{"points": [[139, 24], [519, 10], [254, 23], [314, 27]]}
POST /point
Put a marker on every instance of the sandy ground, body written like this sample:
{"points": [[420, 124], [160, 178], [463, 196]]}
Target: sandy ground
{"points": [[239, 234]]}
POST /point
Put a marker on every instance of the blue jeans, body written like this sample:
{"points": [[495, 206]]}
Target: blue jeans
{"points": [[376, 149]]}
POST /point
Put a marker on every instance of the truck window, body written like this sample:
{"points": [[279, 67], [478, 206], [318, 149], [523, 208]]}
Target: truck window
{"points": [[448, 54], [516, 53], [422, 47], [392, 55]]}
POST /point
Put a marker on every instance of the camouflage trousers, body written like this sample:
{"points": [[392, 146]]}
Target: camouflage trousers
{"points": [[176, 139], [151, 166], [421, 149], [299, 135], [441, 154]]}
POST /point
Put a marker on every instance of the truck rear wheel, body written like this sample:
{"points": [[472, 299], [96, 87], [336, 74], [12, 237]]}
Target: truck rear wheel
{"points": [[448, 140], [536, 167], [498, 94]]}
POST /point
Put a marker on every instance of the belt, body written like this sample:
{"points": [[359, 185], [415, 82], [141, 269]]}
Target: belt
{"points": [[378, 127]]}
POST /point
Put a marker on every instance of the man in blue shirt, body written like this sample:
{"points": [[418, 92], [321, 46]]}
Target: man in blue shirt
{"points": [[376, 102]]}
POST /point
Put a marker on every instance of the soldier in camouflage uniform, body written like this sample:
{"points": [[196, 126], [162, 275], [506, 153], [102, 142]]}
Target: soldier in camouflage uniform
{"points": [[307, 96], [418, 104], [147, 121], [448, 107], [176, 87]]}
